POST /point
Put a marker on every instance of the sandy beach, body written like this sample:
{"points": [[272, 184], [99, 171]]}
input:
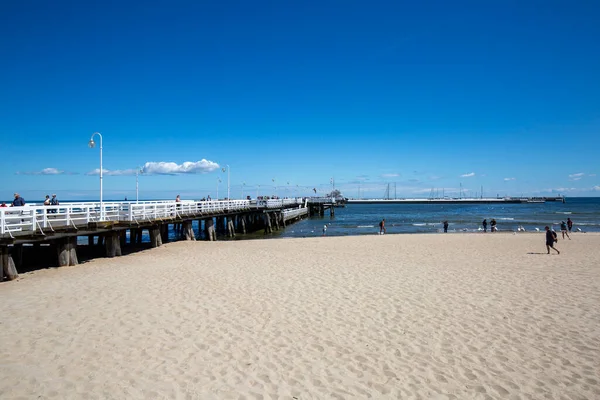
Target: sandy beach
{"points": [[456, 316]]}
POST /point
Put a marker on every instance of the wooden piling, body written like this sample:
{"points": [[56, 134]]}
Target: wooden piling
{"points": [[188, 232], [267, 221], [164, 232], [242, 224], [112, 244], [210, 229], [90, 240], [122, 238], [155, 239], [67, 251], [230, 228], [7, 265]]}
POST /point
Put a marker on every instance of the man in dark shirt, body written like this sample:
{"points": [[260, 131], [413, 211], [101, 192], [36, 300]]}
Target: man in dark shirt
{"points": [[569, 224], [18, 201], [550, 239]]}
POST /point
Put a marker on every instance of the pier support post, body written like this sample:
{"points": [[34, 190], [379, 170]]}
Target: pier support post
{"points": [[123, 238], [138, 235], [112, 244], [210, 229], [132, 235], [188, 233], [7, 265], [242, 224], [230, 228], [18, 255], [276, 218], [267, 220], [67, 251], [164, 232], [282, 219], [90, 240], [155, 239]]}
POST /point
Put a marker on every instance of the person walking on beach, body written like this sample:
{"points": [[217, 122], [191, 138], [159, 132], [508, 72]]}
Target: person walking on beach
{"points": [[569, 224], [324, 229], [493, 225], [484, 225], [550, 239], [382, 227], [563, 230], [445, 226], [18, 201]]}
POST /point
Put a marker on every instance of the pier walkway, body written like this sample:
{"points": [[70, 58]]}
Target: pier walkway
{"points": [[108, 225]]}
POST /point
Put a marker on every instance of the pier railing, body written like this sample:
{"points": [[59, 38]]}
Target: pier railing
{"points": [[45, 218], [294, 213]]}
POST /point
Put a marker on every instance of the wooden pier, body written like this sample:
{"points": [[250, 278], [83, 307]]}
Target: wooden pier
{"points": [[108, 225]]}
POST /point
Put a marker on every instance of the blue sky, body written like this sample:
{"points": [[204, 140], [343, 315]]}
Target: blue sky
{"points": [[432, 94]]}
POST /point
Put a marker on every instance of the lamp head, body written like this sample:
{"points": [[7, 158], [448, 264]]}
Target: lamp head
{"points": [[223, 169], [92, 144]]}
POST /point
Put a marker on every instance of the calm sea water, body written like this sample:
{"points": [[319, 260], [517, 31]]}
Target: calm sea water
{"points": [[363, 219]]}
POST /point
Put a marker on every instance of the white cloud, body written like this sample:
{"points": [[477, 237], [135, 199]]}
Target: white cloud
{"points": [[576, 177], [392, 175], [163, 168], [469, 175], [45, 171], [592, 175], [596, 188], [115, 172], [510, 179], [170, 168]]}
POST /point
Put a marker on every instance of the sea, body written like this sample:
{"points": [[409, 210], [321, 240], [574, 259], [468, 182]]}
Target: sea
{"points": [[363, 219]]}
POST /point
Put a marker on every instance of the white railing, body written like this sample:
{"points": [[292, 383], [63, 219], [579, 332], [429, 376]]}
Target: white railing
{"points": [[320, 200], [278, 203], [294, 213], [40, 219]]}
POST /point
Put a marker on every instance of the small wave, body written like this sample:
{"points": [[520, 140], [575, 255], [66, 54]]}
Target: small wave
{"points": [[506, 219], [366, 226], [419, 224], [563, 212]]}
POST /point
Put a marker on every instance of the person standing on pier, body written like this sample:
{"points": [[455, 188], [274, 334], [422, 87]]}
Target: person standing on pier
{"points": [[18, 201], [550, 239], [54, 202], [484, 223], [569, 224]]}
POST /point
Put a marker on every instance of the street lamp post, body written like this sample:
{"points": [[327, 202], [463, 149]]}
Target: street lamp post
{"points": [[243, 185], [218, 181], [138, 171], [257, 189], [92, 144], [228, 187], [275, 186]]}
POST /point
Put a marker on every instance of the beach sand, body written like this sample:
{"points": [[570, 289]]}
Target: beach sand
{"points": [[456, 316]]}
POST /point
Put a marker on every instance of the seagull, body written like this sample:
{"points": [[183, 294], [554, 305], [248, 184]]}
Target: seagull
{"points": [[578, 229], [537, 229]]}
